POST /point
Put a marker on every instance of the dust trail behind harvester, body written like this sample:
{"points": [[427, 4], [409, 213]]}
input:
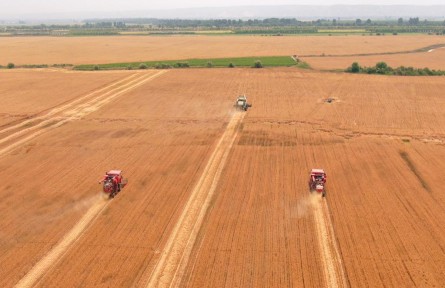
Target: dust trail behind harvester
{"points": [[330, 255], [56, 253]]}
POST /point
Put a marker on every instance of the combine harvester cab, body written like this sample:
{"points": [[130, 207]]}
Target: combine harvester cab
{"points": [[113, 182], [317, 181], [241, 103]]}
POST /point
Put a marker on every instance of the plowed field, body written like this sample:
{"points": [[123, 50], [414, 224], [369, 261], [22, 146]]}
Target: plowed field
{"points": [[96, 50], [218, 197]]}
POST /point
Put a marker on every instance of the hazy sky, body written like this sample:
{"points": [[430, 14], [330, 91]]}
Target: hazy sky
{"points": [[21, 7]]}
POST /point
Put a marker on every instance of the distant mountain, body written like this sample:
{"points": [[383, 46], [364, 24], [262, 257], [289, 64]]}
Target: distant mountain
{"points": [[301, 12]]}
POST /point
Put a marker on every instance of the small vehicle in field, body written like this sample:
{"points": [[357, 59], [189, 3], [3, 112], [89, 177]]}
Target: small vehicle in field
{"points": [[113, 182], [241, 103], [317, 181]]}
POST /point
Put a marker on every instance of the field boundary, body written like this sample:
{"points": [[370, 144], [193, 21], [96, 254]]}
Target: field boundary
{"points": [[419, 50]]}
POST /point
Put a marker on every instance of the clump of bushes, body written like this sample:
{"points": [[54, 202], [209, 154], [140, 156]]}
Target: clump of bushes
{"points": [[257, 64], [355, 68], [35, 66], [231, 65], [96, 67], [62, 65], [182, 65], [383, 69], [209, 64], [143, 66], [163, 66], [10, 65]]}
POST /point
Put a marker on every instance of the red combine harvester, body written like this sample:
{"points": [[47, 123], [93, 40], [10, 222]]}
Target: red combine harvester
{"points": [[113, 182], [317, 181]]}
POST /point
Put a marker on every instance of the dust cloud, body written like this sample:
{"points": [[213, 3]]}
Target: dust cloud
{"points": [[305, 206]]}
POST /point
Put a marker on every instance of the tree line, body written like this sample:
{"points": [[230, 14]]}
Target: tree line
{"points": [[267, 22], [269, 26], [383, 68]]}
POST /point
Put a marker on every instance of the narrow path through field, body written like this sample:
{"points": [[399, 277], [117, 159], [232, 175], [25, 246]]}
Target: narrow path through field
{"points": [[56, 254], [432, 50], [174, 258], [331, 258], [18, 134], [419, 50]]}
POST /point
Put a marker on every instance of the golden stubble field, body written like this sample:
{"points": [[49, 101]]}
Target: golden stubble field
{"points": [[218, 197], [109, 49]]}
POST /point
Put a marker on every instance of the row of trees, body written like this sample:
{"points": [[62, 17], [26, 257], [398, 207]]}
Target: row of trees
{"points": [[401, 22], [383, 68], [268, 22], [105, 24], [142, 66], [269, 26]]}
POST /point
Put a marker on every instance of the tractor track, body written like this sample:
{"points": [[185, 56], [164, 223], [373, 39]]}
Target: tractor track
{"points": [[56, 253], [49, 112], [331, 257], [175, 256], [17, 134]]}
